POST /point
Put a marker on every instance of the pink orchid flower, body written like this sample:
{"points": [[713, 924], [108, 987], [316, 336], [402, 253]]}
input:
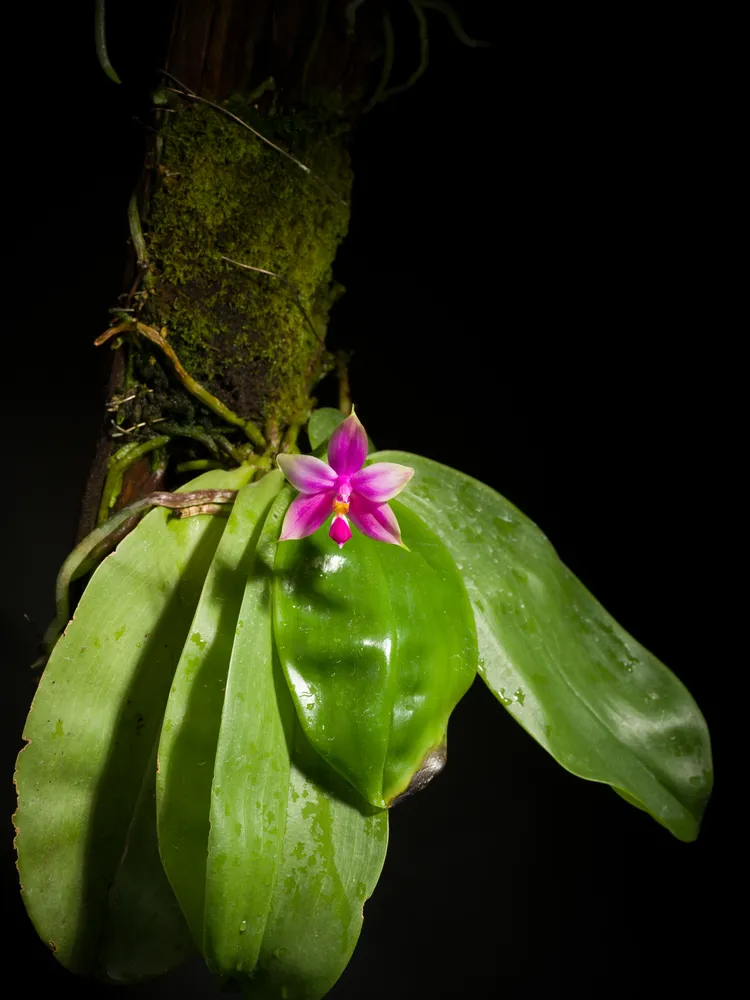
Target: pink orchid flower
{"points": [[342, 487]]}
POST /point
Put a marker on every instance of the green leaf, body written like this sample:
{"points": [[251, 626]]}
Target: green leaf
{"points": [[94, 722], [592, 696], [322, 424], [332, 855], [378, 646], [250, 779], [141, 902], [187, 747], [281, 854], [293, 852]]}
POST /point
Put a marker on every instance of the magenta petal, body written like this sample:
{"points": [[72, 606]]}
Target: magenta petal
{"points": [[374, 519], [306, 514], [340, 531], [382, 481], [306, 473], [347, 449]]}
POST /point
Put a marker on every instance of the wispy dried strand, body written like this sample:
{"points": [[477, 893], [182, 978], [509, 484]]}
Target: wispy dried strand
{"points": [[179, 83], [187, 93], [290, 284]]}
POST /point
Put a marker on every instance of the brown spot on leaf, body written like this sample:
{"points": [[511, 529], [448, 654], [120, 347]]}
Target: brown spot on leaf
{"points": [[433, 763]]}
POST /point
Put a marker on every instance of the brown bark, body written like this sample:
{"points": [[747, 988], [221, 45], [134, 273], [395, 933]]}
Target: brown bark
{"points": [[324, 72]]}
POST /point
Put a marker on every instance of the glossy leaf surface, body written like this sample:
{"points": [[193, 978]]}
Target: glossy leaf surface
{"points": [[277, 879], [321, 425], [93, 726], [290, 859], [247, 810], [378, 645], [330, 861], [601, 704], [187, 748]]}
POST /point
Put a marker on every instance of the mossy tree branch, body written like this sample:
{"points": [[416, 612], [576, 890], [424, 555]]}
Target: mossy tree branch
{"points": [[211, 188], [248, 164]]}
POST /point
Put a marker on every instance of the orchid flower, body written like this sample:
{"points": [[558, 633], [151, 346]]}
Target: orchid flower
{"points": [[342, 487]]}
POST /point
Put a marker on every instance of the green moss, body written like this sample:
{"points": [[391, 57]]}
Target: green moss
{"points": [[223, 191]]}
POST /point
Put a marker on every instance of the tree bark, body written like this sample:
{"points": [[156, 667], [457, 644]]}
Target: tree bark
{"points": [[215, 196]]}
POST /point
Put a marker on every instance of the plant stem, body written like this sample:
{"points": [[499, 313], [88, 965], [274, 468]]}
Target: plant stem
{"points": [[113, 483], [91, 550], [198, 465]]}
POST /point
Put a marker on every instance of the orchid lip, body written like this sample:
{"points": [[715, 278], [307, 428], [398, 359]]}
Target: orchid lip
{"points": [[340, 531]]}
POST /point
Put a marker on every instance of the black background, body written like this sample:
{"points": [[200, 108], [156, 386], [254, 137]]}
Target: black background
{"points": [[531, 299]]}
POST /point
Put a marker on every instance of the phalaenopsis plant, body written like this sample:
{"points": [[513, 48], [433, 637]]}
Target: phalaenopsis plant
{"points": [[264, 661]]}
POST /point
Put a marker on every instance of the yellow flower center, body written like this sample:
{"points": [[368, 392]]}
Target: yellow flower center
{"points": [[339, 507]]}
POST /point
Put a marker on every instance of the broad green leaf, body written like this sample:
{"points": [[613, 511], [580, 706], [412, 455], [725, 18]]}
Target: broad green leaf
{"points": [[600, 703], [187, 747], [141, 902], [94, 722], [378, 646], [332, 855], [279, 866], [90, 551], [293, 852], [250, 778], [322, 424]]}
